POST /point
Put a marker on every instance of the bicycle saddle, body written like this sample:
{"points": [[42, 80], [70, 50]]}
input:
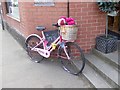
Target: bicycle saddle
{"points": [[40, 28]]}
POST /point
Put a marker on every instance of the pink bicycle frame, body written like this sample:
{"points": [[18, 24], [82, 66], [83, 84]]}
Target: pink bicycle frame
{"points": [[45, 52]]}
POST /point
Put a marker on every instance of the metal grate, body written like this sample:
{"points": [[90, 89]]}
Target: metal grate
{"points": [[106, 45]]}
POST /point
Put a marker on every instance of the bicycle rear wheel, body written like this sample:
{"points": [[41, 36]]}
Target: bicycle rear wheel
{"points": [[31, 42], [76, 63]]}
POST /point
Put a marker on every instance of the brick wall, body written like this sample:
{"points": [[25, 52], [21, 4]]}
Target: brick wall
{"points": [[90, 20], [32, 16]]}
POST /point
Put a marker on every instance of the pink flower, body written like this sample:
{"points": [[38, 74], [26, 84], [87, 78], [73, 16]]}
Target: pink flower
{"points": [[66, 21], [71, 23]]}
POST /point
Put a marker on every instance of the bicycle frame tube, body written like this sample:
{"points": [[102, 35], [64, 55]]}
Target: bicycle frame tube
{"points": [[44, 52], [43, 38], [66, 52], [57, 41], [37, 45]]}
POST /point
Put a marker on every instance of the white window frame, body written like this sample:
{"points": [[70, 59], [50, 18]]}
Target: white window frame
{"points": [[13, 10]]}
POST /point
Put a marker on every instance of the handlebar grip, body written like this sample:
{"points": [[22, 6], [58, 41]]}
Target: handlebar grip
{"points": [[56, 25]]}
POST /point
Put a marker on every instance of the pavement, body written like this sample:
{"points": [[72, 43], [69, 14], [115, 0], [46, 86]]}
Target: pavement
{"points": [[19, 72]]}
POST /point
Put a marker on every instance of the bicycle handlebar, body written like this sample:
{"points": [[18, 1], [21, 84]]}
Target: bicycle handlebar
{"points": [[56, 25]]}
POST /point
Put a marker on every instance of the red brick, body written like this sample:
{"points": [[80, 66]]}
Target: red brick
{"points": [[85, 5], [92, 5]]}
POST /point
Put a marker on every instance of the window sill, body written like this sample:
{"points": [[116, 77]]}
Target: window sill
{"points": [[11, 16]]}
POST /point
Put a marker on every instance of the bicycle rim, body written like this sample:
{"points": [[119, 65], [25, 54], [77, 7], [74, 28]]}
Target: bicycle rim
{"points": [[30, 43], [76, 63]]}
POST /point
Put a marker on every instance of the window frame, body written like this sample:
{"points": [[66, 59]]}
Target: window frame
{"points": [[13, 16]]}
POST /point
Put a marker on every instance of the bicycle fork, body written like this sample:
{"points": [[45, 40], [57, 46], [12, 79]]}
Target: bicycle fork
{"points": [[65, 50]]}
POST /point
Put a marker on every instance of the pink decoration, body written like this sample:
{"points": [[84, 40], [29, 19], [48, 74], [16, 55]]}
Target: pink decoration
{"points": [[66, 21]]}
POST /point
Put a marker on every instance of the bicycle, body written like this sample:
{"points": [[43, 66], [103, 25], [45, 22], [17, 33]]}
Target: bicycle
{"points": [[69, 53]]}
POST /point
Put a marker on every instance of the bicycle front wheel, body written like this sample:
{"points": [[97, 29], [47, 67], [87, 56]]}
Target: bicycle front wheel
{"points": [[31, 42], [76, 61]]}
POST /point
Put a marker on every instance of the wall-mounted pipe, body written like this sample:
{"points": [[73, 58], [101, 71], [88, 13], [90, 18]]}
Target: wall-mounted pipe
{"points": [[68, 8], [1, 12]]}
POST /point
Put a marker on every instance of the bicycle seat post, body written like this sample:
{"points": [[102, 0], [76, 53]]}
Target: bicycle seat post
{"points": [[43, 35]]}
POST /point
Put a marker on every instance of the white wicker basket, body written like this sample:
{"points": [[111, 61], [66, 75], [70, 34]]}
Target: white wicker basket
{"points": [[69, 32]]}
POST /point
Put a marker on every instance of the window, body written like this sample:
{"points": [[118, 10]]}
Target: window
{"points": [[12, 8]]}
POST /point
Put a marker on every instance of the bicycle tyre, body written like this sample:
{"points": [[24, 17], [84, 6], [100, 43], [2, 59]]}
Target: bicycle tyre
{"points": [[72, 65], [30, 43]]}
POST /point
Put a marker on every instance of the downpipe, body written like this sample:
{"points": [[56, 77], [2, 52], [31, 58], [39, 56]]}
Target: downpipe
{"points": [[1, 12]]}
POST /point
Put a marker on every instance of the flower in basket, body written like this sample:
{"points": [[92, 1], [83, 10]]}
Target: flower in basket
{"points": [[70, 21], [66, 21]]}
